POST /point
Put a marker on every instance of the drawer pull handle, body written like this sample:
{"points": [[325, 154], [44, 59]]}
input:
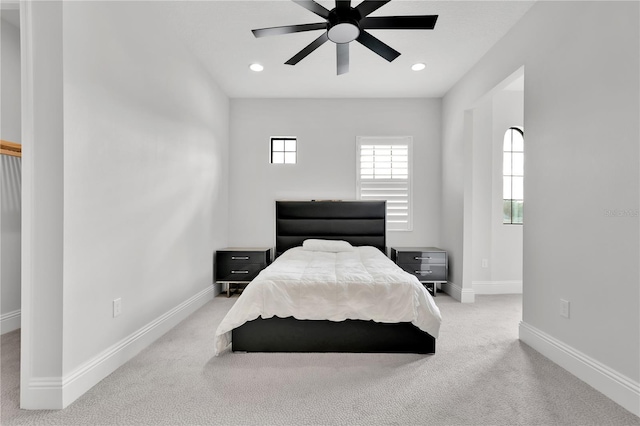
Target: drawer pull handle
{"points": [[422, 258], [239, 272], [239, 257], [424, 272]]}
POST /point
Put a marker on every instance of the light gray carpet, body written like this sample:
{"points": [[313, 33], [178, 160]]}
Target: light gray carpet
{"points": [[481, 374]]}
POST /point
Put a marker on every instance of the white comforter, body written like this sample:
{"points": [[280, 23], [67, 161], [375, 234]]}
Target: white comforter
{"points": [[360, 284]]}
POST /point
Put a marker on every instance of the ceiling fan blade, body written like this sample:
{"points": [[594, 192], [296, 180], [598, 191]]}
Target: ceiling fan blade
{"points": [[370, 6], [423, 22], [343, 4], [263, 32], [375, 45], [342, 50], [307, 50], [313, 7]]}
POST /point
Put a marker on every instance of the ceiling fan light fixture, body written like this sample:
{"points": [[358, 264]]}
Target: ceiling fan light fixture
{"points": [[418, 67], [256, 67], [344, 32]]}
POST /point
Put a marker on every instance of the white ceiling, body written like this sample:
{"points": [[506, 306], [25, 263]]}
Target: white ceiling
{"points": [[219, 32]]}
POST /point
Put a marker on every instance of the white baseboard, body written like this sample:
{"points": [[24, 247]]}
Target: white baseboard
{"points": [[217, 289], [57, 393], [9, 321], [621, 389], [497, 287], [43, 393], [463, 295]]}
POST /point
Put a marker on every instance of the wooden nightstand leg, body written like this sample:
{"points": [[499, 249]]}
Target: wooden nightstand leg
{"points": [[228, 289]]}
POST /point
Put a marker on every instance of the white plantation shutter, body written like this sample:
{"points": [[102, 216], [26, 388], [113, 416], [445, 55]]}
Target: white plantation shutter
{"points": [[384, 173]]}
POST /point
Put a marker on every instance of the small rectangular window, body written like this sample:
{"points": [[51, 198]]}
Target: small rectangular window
{"points": [[284, 150], [384, 173]]}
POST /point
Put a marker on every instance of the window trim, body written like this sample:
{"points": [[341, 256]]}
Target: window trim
{"points": [[388, 140], [511, 200], [282, 138]]}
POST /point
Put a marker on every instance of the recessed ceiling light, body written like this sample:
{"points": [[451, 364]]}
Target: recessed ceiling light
{"points": [[418, 67], [256, 67]]}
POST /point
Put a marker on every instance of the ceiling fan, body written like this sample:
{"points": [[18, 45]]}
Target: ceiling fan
{"points": [[344, 24]]}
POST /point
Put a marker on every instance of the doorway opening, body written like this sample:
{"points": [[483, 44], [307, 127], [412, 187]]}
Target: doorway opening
{"points": [[494, 189]]}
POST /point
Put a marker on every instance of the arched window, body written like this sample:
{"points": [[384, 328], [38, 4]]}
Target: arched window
{"points": [[513, 176]]}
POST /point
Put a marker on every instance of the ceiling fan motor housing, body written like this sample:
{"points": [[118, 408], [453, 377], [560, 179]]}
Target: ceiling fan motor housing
{"points": [[343, 26]]}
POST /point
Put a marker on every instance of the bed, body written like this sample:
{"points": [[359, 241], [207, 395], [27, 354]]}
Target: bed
{"points": [[331, 288]]}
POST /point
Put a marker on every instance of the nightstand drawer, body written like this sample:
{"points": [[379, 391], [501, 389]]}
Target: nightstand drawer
{"points": [[239, 272], [426, 272], [421, 258], [232, 258]]}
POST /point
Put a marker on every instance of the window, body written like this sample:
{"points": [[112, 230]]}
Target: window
{"points": [[384, 173], [283, 150], [513, 176]]}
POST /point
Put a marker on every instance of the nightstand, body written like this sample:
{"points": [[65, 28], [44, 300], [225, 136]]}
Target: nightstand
{"points": [[238, 266], [428, 264]]}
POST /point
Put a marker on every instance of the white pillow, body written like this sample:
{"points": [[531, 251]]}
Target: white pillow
{"points": [[332, 246]]}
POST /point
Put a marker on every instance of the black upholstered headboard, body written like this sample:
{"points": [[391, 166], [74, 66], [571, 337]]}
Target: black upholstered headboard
{"points": [[361, 223]]}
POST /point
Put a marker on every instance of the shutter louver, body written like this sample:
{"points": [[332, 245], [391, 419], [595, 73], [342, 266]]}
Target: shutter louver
{"points": [[383, 174]]}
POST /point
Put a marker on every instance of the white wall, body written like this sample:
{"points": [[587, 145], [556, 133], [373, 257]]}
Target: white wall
{"points": [[326, 130], [10, 245], [10, 95], [581, 121], [145, 173], [41, 351], [482, 191], [144, 190], [11, 170]]}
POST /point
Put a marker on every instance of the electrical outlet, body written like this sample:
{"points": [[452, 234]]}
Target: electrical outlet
{"points": [[117, 307], [564, 308], [485, 263]]}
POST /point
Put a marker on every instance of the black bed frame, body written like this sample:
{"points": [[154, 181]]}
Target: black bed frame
{"points": [[362, 223]]}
